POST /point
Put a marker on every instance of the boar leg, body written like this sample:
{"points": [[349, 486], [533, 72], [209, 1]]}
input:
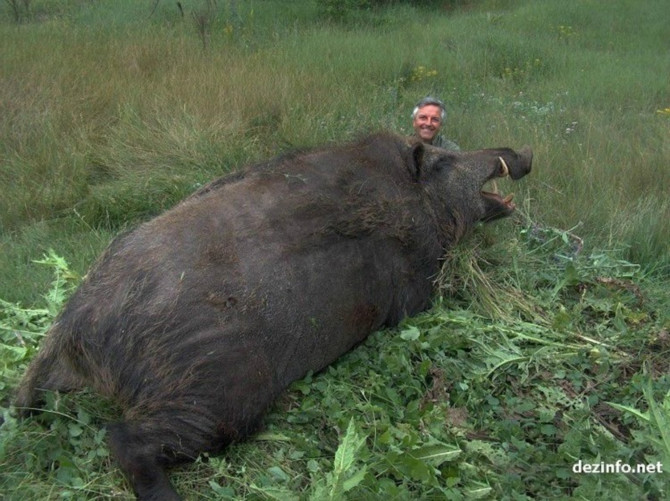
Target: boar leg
{"points": [[172, 434], [143, 461]]}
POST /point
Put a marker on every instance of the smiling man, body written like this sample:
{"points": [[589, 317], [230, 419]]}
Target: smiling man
{"points": [[427, 119]]}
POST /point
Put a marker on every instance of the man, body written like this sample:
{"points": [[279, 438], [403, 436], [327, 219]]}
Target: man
{"points": [[427, 119]]}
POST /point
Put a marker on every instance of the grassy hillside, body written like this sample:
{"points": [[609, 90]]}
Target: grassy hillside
{"points": [[548, 343]]}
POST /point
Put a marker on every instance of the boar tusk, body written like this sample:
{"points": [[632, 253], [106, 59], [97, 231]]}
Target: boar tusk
{"points": [[505, 170]]}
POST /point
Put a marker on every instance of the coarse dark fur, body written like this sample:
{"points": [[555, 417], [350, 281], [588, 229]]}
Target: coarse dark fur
{"points": [[198, 319]]}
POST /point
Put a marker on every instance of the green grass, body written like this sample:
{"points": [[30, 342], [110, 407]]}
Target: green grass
{"points": [[111, 114], [493, 393]]}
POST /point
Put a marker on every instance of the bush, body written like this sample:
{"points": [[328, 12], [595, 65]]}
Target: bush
{"points": [[345, 10]]}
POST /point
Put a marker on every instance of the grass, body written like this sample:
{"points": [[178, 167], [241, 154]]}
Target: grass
{"points": [[548, 340], [491, 394]]}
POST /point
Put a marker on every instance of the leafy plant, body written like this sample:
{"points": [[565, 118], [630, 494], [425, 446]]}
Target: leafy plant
{"points": [[656, 425], [345, 474], [548, 339], [22, 328], [19, 8], [63, 283]]}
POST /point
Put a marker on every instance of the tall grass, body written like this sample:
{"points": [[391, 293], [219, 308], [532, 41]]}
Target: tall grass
{"points": [[110, 113]]}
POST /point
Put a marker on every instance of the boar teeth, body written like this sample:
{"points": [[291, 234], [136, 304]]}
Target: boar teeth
{"points": [[494, 187], [508, 198], [505, 170]]}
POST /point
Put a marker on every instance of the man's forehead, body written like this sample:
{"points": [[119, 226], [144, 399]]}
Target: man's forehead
{"points": [[430, 109]]}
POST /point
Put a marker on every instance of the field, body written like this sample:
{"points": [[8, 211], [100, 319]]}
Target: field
{"points": [[547, 348]]}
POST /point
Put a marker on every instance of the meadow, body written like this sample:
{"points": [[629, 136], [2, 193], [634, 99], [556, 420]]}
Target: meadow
{"points": [[549, 338]]}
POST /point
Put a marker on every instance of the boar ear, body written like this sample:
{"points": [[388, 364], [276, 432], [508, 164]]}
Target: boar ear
{"points": [[415, 160]]}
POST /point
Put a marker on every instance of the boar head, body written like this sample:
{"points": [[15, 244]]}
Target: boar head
{"points": [[455, 181]]}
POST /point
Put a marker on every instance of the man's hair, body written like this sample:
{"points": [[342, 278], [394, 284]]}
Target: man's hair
{"points": [[428, 100]]}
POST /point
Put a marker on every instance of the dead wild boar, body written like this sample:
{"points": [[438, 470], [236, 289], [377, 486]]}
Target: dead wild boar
{"points": [[198, 319]]}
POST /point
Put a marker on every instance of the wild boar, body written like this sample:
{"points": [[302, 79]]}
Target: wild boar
{"points": [[198, 319]]}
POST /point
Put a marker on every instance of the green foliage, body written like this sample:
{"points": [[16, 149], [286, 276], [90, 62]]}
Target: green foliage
{"points": [[493, 392], [19, 8], [22, 328], [548, 342], [352, 10], [64, 444], [340, 9], [149, 115], [655, 424], [63, 282], [345, 475]]}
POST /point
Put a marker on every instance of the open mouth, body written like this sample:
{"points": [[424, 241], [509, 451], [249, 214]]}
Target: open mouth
{"points": [[494, 195], [497, 205]]}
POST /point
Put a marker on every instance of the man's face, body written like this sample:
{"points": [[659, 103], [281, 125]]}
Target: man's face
{"points": [[427, 122]]}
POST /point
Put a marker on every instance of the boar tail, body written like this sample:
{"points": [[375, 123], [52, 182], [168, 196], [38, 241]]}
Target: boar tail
{"points": [[49, 370]]}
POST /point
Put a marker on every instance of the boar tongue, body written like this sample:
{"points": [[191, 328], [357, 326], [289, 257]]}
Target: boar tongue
{"points": [[495, 193]]}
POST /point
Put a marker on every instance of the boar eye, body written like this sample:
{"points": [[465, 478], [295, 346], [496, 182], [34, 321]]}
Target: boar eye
{"points": [[444, 165]]}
